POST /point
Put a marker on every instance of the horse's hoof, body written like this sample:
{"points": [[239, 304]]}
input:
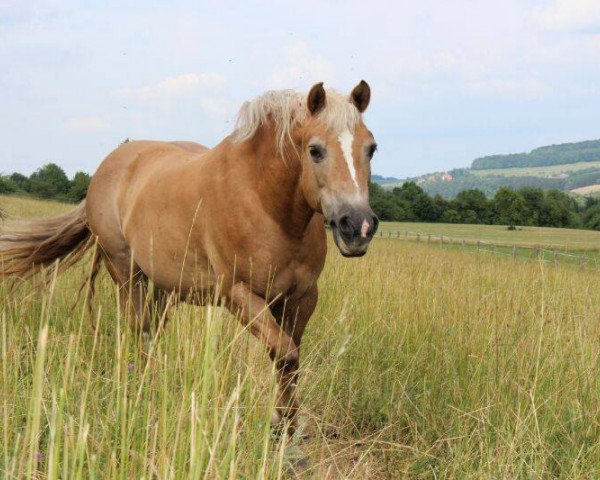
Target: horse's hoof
{"points": [[281, 424]]}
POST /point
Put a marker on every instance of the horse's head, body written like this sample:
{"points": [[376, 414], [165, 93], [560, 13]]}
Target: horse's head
{"points": [[336, 153]]}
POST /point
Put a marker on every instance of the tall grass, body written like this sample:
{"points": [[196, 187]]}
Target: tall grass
{"points": [[418, 363]]}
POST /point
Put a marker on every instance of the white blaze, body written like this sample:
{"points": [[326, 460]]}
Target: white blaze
{"points": [[346, 139]]}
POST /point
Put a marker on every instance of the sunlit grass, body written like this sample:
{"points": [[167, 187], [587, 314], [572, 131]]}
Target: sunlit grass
{"points": [[568, 239], [419, 362]]}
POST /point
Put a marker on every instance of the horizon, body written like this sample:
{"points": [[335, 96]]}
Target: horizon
{"points": [[451, 83]]}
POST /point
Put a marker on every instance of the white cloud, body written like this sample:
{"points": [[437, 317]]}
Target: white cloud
{"points": [[577, 15], [87, 124], [173, 87], [302, 67]]}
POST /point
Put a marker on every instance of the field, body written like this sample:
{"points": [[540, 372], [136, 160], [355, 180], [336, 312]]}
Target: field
{"points": [[548, 171], [589, 190], [552, 238], [418, 363]]}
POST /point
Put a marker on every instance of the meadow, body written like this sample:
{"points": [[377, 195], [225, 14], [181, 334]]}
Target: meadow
{"points": [[565, 239], [419, 362]]}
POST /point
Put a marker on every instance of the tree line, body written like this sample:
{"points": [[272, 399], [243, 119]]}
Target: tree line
{"points": [[48, 182], [543, 156], [527, 206]]}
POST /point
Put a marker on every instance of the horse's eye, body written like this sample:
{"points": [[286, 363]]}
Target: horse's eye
{"points": [[316, 152], [371, 151]]}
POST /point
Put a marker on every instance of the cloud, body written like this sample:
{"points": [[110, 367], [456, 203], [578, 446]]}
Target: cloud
{"points": [[569, 15], [301, 67], [87, 124], [173, 87]]}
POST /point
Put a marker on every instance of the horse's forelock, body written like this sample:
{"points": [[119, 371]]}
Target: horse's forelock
{"points": [[285, 108]]}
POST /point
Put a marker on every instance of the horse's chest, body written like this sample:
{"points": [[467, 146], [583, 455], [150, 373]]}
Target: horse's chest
{"points": [[297, 276]]}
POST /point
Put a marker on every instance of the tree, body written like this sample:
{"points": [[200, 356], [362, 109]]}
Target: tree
{"points": [[418, 202], [384, 205], [7, 185], [473, 206], [509, 207], [534, 199], [591, 217], [560, 209], [79, 186], [49, 181], [21, 181]]}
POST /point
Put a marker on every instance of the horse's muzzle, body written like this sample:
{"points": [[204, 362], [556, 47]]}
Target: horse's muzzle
{"points": [[353, 230]]}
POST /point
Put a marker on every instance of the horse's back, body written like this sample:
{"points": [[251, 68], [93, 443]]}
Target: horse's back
{"points": [[191, 146], [141, 199], [124, 174]]}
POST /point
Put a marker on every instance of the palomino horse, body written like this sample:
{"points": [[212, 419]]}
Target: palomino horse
{"points": [[244, 220]]}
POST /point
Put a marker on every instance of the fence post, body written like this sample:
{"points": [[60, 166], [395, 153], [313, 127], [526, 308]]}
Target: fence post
{"points": [[441, 240], [463, 244], [478, 244], [429, 238], [418, 237], [514, 251], [406, 235], [398, 234], [555, 256]]}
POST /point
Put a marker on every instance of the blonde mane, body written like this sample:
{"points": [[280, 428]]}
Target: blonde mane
{"points": [[286, 108]]}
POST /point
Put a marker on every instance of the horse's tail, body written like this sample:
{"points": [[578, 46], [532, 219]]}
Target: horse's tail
{"points": [[32, 245]]}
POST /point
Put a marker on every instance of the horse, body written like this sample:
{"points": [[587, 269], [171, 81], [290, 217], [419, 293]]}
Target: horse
{"points": [[242, 224]]}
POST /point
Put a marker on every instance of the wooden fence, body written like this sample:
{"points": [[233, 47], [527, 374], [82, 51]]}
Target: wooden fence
{"points": [[514, 250]]}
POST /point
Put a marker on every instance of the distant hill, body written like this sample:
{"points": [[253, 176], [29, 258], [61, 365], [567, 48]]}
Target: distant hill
{"points": [[385, 180], [571, 167], [562, 154]]}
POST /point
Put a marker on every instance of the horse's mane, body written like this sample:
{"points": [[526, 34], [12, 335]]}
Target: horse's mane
{"points": [[285, 108]]}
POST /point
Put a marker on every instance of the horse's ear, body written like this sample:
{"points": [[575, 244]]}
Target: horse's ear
{"points": [[361, 96], [316, 99]]}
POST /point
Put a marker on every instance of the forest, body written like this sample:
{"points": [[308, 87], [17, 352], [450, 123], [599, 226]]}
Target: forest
{"points": [[526, 206]]}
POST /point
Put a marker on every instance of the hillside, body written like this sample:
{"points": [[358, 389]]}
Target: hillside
{"points": [[562, 154], [571, 167]]}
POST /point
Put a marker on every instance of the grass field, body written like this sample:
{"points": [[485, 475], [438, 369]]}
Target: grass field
{"points": [[552, 238], [418, 363], [589, 190], [536, 171]]}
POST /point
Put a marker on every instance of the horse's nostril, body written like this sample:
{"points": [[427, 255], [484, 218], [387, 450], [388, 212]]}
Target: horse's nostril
{"points": [[345, 225], [375, 224]]}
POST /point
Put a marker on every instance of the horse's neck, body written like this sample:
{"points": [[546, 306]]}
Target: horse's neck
{"points": [[278, 183]]}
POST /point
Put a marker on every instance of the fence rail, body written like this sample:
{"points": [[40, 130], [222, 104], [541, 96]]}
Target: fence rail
{"points": [[514, 250]]}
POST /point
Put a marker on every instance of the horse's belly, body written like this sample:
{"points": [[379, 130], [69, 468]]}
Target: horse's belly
{"points": [[175, 271]]}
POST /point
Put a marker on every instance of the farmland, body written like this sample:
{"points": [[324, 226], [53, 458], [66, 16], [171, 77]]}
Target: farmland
{"points": [[418, 363], [553, 238], [546, 171]]}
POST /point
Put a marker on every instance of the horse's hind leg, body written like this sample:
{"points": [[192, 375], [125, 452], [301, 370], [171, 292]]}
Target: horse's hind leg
{"points": [[133, 292], [162, 300]]}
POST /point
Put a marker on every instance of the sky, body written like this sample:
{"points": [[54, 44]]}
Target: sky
{"points": [[451, 80]]}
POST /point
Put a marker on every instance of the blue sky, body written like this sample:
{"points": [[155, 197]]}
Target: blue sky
{"points": [[451, 80]]}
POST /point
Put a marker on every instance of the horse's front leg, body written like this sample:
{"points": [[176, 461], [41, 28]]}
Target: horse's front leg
{"points": [[293, 314], [255, 313]]}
